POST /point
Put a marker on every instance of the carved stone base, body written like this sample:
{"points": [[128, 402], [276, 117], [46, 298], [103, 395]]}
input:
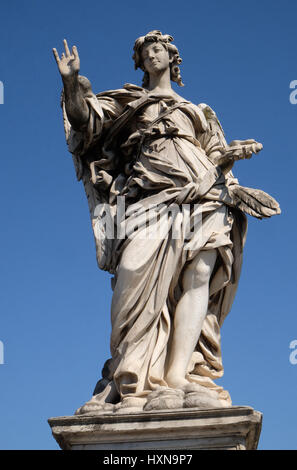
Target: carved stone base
{"points": [[236, 428]]}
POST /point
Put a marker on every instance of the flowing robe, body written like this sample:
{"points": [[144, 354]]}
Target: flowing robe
{"points": [[156, 151]]}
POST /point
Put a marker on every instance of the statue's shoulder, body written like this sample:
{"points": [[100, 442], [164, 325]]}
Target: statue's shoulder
{"points": [[127, 91], [134, 88], [210, 115]]}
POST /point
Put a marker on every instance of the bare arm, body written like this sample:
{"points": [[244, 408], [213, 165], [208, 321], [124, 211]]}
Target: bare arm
{"points": [[75, 103]]}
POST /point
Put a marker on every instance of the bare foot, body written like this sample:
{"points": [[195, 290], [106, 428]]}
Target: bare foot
{"points": [[101, 401], [129, 405], [94, 406]]}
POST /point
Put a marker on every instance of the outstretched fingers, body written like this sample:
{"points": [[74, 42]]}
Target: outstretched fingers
{"points": [[66, 48], [56, 55], [75, 52], [66, 54], [68, 62]]}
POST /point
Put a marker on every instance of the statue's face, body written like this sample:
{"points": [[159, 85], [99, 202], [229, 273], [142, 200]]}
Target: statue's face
{"points": [[155, 58]]}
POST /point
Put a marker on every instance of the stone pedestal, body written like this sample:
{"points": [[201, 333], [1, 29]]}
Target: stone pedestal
{"points": [[234, 428]]}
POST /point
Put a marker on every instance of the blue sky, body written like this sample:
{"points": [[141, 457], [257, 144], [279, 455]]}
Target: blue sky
{"points": [[239, 57]]}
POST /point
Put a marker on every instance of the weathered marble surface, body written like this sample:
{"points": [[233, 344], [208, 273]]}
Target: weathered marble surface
{"points": [[234, 428], [170, 294]]}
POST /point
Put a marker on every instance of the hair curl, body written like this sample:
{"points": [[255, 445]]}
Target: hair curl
{"points": [[165, 40]]}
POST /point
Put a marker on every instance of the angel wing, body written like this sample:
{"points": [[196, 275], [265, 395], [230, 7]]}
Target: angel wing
{"points": [[95, 184], [254, 202]]}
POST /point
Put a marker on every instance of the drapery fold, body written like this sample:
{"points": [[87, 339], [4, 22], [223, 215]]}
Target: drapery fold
{"points": [[171, 187]]}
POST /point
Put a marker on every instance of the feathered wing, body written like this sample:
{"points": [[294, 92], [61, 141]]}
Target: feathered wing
{"points": [[102, 218], [101, 212], [252, 201]]}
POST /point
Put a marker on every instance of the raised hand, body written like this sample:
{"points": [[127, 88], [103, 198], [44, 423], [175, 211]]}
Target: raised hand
{"points": [[76, 107], [69, 64]]}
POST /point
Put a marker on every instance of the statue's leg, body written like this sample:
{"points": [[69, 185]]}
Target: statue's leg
{"points": [[189, 316]]}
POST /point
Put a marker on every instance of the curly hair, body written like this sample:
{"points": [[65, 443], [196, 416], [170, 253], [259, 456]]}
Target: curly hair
{"points": [[165, 40]]}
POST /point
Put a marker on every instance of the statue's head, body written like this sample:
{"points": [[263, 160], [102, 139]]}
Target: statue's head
{"points": [[165, 41]]}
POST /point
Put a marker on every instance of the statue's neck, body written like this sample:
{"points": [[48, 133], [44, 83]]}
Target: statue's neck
{"points": [[160, 82]]}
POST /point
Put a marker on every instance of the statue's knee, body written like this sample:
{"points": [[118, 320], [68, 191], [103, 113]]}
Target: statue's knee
{"points": [[196, 275]]}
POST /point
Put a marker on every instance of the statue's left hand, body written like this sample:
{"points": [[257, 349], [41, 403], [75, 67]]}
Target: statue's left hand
{"points": [[240, 149], [237, 150]]}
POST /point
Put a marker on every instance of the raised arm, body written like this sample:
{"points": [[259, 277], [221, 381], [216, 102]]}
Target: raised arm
{"points": [[76, 107]]}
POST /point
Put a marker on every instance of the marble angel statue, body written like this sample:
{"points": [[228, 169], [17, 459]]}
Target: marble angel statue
{"points": [[149, 150]]}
